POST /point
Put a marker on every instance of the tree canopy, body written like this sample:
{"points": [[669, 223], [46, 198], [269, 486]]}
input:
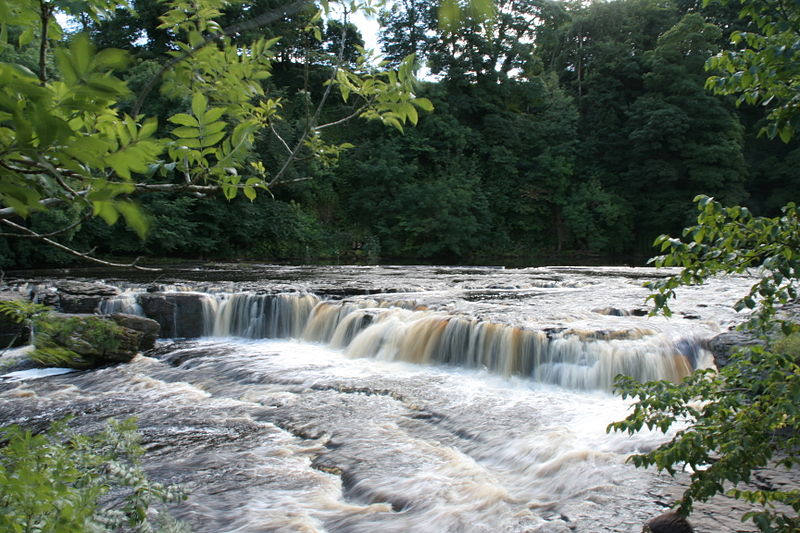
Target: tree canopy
{"points": [[67, 137], [576, 129]]}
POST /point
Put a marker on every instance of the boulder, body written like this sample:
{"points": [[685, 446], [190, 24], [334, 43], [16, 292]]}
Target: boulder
{"points": [[179, 314], [82, 288], [724, 344], [670, 522], [149, 328], [83, 341]]}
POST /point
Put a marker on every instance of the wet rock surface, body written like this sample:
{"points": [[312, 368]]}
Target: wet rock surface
{"points": [[725, 344], [179, 315], [722, 514], [76, 297], [150, 329]]}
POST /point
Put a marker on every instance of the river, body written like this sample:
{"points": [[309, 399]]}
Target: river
{"points": [[393, 399]]}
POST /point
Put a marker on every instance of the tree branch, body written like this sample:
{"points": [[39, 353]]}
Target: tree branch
{"points": [[75, 252], [11, 211], [45, 12], [343, 120], [261, 20], [312, 123], [284, 143], [52, 234]]}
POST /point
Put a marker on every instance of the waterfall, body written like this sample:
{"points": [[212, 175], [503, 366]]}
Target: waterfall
{"points": [[127, 302], [565, 359], [402, 331], [260, 316]]}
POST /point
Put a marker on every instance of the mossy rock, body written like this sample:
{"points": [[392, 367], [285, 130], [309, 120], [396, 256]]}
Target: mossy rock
{"points": [[83, 342]]}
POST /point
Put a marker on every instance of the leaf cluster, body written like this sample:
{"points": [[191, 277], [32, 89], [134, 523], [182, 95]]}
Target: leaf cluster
{"points": [[23, 311], [747, 415], [763, 66], [734, 422], [56, 481], [66, 140], [731, 240]]}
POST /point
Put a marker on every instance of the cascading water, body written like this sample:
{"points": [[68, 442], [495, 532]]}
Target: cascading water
{"points": [[259, 316], [572, 359], [127, 302], [466, 400]]}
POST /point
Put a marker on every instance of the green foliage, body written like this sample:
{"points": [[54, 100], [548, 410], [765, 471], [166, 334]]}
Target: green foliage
{"points": [[732, 240], [55, 481], [58, 339], [762, 66], [66, 139], [54, 356], [23, 311], [746, 416], [735, 422], [566, 126]]}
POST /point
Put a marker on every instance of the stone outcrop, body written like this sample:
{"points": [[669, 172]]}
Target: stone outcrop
{"points": [[76, 297], [149, 328], [670, 522], [86, 341], [179, 314], [725, 344]]}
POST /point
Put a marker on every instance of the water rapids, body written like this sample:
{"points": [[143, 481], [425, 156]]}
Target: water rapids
{"points": [[413, 399]]}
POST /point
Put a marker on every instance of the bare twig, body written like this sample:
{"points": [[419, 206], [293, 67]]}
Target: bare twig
{"points": [[284, 143], [75, 252], [47, 202], [315, 119], [343, 120], [52, 234]]}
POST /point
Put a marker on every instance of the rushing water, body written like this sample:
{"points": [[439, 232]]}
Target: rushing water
{"points": [[406, 399]]}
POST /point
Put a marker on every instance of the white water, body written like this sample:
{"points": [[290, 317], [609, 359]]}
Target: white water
{"points": [[583, 358], [431, 410]]}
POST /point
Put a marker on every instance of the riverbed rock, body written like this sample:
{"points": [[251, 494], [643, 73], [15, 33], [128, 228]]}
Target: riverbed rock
{"points": [[179, 314], [83, 341], [725, 344], [76, 297], [670, 522], [149, 328]]}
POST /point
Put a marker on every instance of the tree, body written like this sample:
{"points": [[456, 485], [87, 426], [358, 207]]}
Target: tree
{"points": [[66, 141], [683, 141], [745, 416]]}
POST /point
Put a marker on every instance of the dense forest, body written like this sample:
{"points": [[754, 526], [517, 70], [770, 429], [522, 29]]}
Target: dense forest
{"points": [[561, 130]]}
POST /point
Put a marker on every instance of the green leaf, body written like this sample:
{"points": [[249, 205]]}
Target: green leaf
{"points": [[424, 104], [107, 211], [135, 218], [199, 105], [184, 120], [26, 37], [185, 132]]}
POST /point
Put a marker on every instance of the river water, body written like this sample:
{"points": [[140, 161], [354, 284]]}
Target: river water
{"points": [[395, 398]]}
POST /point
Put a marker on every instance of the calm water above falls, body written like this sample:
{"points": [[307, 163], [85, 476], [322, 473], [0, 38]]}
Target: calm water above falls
{"points": [[362, 426]]}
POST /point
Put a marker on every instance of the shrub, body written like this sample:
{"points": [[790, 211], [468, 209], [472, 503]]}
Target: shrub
{"points": [[56, 482]]}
